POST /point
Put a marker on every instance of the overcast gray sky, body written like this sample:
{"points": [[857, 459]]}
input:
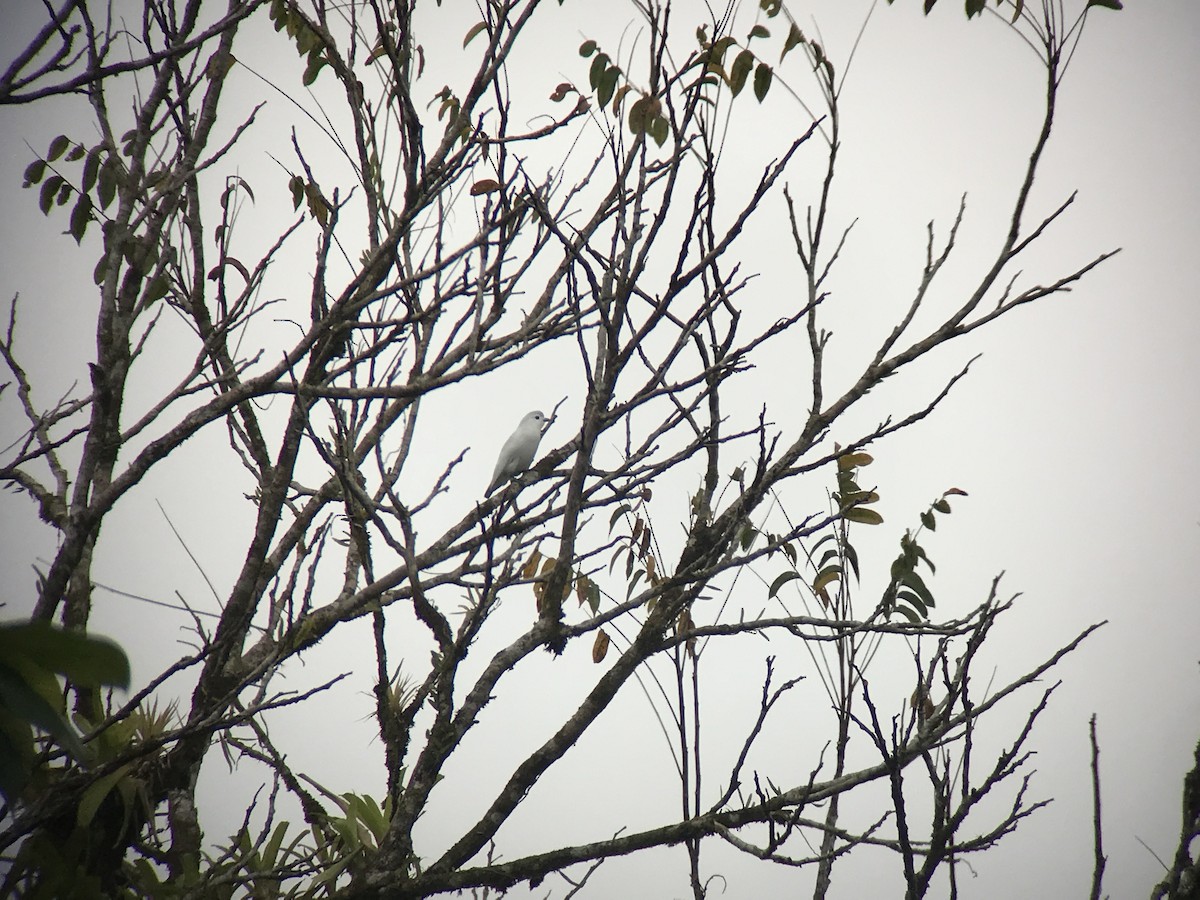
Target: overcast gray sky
{"points": [[1076, 435]]}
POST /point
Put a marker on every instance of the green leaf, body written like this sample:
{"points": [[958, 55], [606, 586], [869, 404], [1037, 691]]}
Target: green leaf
{"points": [[863, 516], [157, 289], [660, 130], [84, 659], [716, 54], [608, 84], [91, 167], [29, 695], [829, 536], [795, 37], [76, 153], [740, 71], [306, 40], [107, 185], [852, 558], [746, 536], [593, 596], [80, 216], [619, 98], [316, 62], [848, 461], [296, 186], [928, 521], [245, 186], [24, 693], [46, 196], [58, 147], [942, 506], [975, 7], [638, 113], [782, 579], [858, 498], [846, 482], [597, 69], [617, 514], [373, 816], [16, 755], [913, 601], [587, 48], [762, 81], [913, 580], [95, 794], [633, 582], [34, 172], [271, 850], [914, 553], [1107, 4], [758, 31], [334, 870]]}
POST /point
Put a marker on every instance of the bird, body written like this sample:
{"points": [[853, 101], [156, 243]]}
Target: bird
{"points": [[517, 452]]}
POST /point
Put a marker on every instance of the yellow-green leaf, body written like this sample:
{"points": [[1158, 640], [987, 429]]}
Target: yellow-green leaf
{"points": [[863, 516], [849, 461], [826, 577], [660, 130], [475, 29]]}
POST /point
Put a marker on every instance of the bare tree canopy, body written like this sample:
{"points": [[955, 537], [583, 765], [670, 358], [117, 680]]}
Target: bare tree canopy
{"points": [[330, 353]]}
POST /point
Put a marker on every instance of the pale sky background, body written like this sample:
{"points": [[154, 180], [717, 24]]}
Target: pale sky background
{"points": [[1076, 435]]}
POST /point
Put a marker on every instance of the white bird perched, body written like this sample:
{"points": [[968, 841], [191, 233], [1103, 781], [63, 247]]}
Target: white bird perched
{"points": [[517, 452]]}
